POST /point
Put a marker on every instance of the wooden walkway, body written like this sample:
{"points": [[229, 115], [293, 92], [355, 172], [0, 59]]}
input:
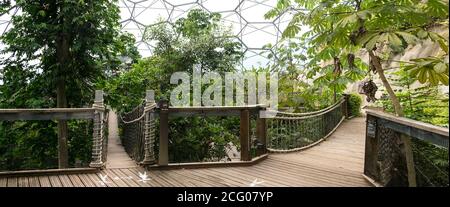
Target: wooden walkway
{"points": [[336, 162], [117, 157]]}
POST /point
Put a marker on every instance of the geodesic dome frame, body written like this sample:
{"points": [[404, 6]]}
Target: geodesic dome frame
{"points": [[245, 18]]}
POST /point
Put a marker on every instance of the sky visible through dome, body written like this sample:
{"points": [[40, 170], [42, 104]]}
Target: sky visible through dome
{"points": [[244, 17]]}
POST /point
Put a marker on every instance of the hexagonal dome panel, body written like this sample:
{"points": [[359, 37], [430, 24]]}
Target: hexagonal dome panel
{"points": [[244, 17]]}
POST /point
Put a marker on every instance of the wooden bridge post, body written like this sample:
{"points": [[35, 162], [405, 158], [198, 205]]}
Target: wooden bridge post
{"points": [[149, 130], [163, 158], [261, 133], [371, 147], [244, 135], [98, 135], [409, 160], [345, 106]]}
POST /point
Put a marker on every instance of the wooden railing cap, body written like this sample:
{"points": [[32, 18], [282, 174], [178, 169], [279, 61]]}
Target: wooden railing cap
{"points": [[409, 122]]}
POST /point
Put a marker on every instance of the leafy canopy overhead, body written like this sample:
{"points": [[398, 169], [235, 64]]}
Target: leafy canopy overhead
{"points": [[338, 28], [89, 29]]}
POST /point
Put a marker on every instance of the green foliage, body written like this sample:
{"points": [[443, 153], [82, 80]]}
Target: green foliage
{"points": [[354, 104], [431, 164], [431, 70], [33, 144], [197, 39], [423, 102], [189, 142], [75, 42], [338, 29]]}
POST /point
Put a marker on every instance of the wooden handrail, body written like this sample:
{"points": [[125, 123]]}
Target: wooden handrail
{"points": [[46, 110], [389, 141], [46, 114], [410, 122], [97, 113], [217, 108]]}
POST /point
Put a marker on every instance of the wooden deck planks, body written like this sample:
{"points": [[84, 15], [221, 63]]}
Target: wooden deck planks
{"points": [[22, 182], [87, 182], [134, 173], [3, 182], [54, 181], [12, 182], [338, 161], [34, 182], [65, 181], [44, 181], [96, 180], [76, 181]]}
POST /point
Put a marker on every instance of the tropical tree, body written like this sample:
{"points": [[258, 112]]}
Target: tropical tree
{"points": [[341, 32], [62, 48], [199, 38]]}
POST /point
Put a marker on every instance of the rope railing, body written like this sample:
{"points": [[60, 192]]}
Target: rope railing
{"points": [[288, 132], [285, 132], [138, 131], [100, 132]]}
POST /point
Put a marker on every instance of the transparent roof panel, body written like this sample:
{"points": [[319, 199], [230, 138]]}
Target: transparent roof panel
{"points": [[245, 18]]}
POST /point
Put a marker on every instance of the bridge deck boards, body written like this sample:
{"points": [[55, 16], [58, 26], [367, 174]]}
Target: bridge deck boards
{"points": [[338, 161]]}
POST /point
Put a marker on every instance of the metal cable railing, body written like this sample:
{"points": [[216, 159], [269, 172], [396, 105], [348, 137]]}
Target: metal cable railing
{"points": [[430, 163], [405, 152], [295, 131]]}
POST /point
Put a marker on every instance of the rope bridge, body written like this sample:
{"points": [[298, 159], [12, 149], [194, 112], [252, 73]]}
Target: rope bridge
{"points": [[285, 132], [138, 135]]}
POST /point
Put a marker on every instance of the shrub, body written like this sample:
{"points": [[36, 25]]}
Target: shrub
{"points": [[354, 104]]}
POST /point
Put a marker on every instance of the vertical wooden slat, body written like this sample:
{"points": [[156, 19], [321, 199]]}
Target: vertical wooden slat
{"points": [[261, 132], [345, 106], [371, 148], [245, 135], [409, 160], [163, 158], [63, 153]]}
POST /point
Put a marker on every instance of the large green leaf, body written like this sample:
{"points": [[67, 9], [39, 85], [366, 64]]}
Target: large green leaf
{"points": [[408, 37]]}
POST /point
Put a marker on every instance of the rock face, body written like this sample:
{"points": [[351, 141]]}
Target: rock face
{"points": [[426, 49]]}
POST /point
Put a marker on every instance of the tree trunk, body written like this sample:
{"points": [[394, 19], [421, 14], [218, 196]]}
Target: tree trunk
{"points": [[62, 52], [63, 153], [395, 102]]}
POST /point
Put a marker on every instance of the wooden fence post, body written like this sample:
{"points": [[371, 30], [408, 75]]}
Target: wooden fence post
{"points": [[98, 135], [245, 135], [409, 160], [163, 133], [149, 128], [371, 148], [63, 152], [261, 132], [345, 106]]}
